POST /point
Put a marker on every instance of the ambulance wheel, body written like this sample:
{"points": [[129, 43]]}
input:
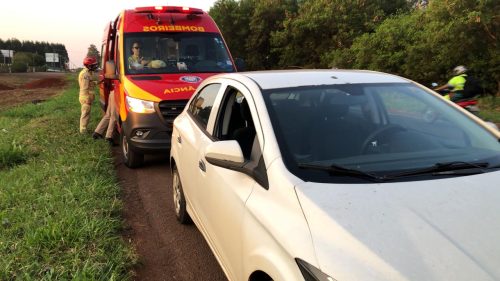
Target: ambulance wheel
{"points": [[131, 158]]}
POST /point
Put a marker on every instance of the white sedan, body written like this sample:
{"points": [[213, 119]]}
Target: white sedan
{"points": [[337, 175]]}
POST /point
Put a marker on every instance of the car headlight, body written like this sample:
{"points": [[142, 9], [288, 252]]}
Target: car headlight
{"points": [[140, 106], [312, 273]]}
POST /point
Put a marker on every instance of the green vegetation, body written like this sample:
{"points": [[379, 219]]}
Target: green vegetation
{"points": [[59, 206], [29, 54], [420, 41], [12, 154], [93, 52], [426, 44], [19, 67], [490, 109]]}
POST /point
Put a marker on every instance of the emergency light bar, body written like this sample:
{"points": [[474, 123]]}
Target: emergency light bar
{"points": [[169, 9]]}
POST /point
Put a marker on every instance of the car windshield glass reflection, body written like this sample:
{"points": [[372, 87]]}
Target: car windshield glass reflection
{"points": [[183, 52], [374, 128]]}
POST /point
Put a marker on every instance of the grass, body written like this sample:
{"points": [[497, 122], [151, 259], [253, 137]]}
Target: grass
{"points": [[490, 108], [12, 154], [59, 197]]}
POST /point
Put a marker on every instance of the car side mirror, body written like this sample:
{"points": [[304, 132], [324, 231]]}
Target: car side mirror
{"points": [[228, 155], [240, 64], [110, 70], [225, 154]]}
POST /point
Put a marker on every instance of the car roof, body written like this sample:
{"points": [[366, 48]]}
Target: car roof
{"points": [[275, 79]]}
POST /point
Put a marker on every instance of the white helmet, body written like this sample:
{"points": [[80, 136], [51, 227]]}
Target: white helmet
{"points": [[459, 70]]}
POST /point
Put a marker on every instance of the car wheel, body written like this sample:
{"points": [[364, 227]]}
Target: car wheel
{"points": [[131, 158], [179, 199]]}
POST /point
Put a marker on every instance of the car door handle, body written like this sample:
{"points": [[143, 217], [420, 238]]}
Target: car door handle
{"points": [[201, 165], [179, 139]]}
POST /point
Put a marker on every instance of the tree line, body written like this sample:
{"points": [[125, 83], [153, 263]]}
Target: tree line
{"points": [[32, 53], [417, 39]]}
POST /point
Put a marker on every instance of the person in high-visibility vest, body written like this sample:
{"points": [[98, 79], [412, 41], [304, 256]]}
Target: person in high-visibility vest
{"points": [[87, 81], [456, 83]]}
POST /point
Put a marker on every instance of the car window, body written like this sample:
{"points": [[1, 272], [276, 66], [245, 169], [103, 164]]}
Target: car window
{"points": [[201, 106], [235, 122], [401, 104], [377, 128], [176, 52]]}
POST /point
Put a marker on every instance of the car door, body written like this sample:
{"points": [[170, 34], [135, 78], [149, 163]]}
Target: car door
{"points": [[190, 134], [225, 191]]}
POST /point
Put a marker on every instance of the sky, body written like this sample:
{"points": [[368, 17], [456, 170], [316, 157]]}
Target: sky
{"points": [[75, 24]]}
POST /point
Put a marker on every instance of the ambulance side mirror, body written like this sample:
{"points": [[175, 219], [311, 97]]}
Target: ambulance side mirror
{"points": [[110, 70]]}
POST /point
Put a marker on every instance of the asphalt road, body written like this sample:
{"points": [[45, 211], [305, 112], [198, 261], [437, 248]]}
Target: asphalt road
{"points": [[167, 250]]}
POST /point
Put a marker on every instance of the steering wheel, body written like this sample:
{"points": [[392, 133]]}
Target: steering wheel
{"points": [[371, 140]]}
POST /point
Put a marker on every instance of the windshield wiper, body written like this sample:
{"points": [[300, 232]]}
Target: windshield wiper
{"points": [[338, 170], [445, 168]]}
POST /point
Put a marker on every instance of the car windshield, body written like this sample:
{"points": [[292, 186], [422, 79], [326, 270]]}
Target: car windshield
{"points": [[180, 52], [383, 129]]}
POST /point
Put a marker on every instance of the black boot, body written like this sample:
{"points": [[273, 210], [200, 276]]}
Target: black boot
{"points": [[110, 141], [96, 136]]}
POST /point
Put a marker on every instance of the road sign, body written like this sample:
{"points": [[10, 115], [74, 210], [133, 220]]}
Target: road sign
{"points": [[7, 53], [51, 57]]}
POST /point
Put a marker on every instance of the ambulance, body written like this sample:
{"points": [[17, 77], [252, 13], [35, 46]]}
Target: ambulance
{"points": [[153, 58]]}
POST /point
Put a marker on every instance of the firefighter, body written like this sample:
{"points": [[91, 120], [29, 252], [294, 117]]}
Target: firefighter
{"points": [[87, 81], [107, 123]]}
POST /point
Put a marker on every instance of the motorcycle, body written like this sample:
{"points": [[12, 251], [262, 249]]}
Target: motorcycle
{"points": [[470, 104]]}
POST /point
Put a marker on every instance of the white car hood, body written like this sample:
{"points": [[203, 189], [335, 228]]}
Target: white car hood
{"points": [[447, 229]]}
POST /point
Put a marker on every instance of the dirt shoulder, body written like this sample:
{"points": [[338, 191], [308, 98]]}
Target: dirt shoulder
{"points": [[21, 88], [167, 250]]}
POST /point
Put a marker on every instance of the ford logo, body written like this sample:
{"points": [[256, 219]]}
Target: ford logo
{"points": [[190, 79]]}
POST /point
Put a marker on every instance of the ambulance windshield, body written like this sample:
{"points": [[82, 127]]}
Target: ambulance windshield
{"points": [[180, 52]]}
